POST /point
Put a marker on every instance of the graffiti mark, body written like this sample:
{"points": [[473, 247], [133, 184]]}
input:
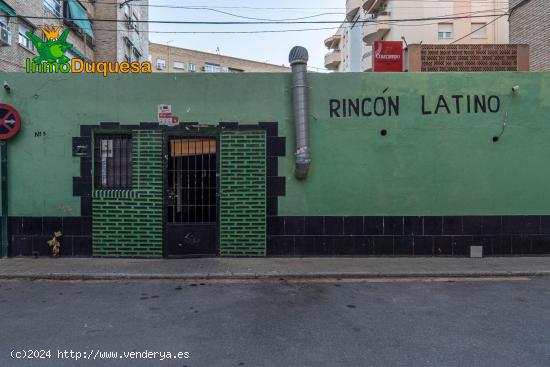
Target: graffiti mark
{"points": [[66, 209]]}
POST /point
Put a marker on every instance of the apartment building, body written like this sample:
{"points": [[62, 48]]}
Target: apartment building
{"points": [[346, 46], [105, 41], [171, 59], [128, 39], [529, 22], [451, 21]]}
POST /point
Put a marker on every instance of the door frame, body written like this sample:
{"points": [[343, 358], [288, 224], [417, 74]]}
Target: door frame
{"points": [[189, 132]]}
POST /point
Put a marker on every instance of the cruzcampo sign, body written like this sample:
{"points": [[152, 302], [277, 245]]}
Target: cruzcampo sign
{"points": [[52, 59], [387, 56]]}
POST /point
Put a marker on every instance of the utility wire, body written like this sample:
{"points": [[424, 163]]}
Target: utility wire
{"points": [[212, 9], [374, 21], [216, 7], [264, 31], [268, 8], [472, 32], [236, 32], [259, 22], [263, 19], [300, 18], [203, 7], [255, 32]]}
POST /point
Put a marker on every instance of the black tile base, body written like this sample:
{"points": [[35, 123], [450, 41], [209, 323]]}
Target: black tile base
{"points": [[408, 236], [71, 246], [29, 236], [331, 236]]}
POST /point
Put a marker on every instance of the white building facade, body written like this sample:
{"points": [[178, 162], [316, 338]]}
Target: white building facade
{"points": [[437, 22]]}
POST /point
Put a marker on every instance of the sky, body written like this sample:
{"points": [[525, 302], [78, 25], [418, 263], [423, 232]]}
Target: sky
{"points": [[265, 47]]}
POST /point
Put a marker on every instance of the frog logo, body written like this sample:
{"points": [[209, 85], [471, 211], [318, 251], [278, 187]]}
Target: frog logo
{"points": [[53, 49]]}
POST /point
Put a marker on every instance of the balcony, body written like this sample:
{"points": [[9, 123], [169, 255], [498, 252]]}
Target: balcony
{"points": [[378, 30], [333, 42], [366, 62], [333, 59], [371, 6], [352, 7]]}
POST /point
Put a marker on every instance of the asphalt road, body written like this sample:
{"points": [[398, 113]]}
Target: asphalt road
{"points": [[468, 323]]}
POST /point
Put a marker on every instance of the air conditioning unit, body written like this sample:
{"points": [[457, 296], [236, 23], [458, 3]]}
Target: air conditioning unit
{"points": [[5, 36]]}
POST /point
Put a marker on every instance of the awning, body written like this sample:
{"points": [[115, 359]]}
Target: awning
{"points": [[5, 7], [78, 15]]}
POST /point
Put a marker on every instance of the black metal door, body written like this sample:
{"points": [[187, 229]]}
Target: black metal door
{"points": [[191, 196]]}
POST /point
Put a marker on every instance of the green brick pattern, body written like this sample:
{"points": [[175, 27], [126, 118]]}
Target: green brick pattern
{"points": [[243, 193], [130, 225]]}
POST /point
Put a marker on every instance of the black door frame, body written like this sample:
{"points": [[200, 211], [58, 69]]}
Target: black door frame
{"points": [[189, 132]]}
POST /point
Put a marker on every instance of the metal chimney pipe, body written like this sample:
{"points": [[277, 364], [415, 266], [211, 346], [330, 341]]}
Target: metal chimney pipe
{"points": [[298, 59]]}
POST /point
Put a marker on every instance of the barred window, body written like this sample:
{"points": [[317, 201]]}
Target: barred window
{"points": [[113, 162]]}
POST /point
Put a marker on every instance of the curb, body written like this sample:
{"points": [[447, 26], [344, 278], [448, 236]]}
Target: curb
{"points": [[267, 276]]}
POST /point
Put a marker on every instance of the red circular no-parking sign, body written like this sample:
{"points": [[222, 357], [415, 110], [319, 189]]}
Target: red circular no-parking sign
{"points": [[10, 121]]}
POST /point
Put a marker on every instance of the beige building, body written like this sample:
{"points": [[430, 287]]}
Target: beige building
{"points": [[105, 41], [175, 59], [452, 21]]}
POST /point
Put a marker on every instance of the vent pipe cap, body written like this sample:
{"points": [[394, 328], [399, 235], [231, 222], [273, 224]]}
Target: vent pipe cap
{"points": [[298, 55]]}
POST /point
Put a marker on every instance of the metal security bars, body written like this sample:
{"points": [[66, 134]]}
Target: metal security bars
{"points": [[191, 180], [113, 162]]}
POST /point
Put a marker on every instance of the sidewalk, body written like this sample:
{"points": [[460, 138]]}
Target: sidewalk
{"points": [[265, 268]]}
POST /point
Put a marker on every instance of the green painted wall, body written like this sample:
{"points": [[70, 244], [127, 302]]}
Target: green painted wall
{"points": [[243, 193], [129, 223], [441, 164]]}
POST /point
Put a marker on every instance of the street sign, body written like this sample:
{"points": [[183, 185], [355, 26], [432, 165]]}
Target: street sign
{"points": [[10, 121], [165, 116], [387, 56]]}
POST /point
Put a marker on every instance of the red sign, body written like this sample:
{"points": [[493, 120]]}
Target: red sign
{"points": [[168, 116], [387, 56], [10, 121]]}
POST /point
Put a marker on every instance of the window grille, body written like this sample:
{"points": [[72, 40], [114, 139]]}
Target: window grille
{"points": [[113, 162]]}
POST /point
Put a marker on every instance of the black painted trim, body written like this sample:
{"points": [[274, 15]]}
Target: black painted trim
{"points": [[276, 146], [272, 166], [86, 131], [272, 205], [109, 125], [148, 125], [272, 128], [229, 125], [276, 186]]}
